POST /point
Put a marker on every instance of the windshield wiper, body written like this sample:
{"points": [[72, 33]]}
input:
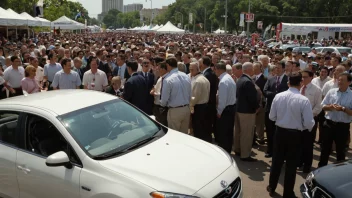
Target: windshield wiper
{"points": [[133, 146]]}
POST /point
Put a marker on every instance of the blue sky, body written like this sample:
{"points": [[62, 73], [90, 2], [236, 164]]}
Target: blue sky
{"points": [[94, 6]]}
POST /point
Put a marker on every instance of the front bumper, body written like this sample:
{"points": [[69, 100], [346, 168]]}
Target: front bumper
{"points": [[305, 191]]}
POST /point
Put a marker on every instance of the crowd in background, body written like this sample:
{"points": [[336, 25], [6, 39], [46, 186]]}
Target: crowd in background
{"points": [[219, 88]]}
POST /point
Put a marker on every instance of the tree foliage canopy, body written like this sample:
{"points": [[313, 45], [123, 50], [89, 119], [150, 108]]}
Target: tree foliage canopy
{"points": [[118, 19], [53, 9], [268, 11]]}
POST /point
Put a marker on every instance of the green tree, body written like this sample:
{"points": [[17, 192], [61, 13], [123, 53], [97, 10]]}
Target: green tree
{"points": [[110, 18], [93, 21]]}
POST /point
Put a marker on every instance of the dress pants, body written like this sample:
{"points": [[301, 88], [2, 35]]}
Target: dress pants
{"points": [[19, 92], [199, 123], [244, 132], [224, 126], [160, 114], [315, 127], [259, 123], [306, 158], [2, 93], [334, 132], [211, 120], [287, 143], [178, 118], [270, 132], [321, 120]]}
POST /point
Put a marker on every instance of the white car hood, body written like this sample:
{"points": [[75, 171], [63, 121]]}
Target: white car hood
{"points": [[175, 163]]}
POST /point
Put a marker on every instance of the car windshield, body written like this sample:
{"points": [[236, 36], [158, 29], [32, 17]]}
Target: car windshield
{"points": [[348, 50], [109, 127]]}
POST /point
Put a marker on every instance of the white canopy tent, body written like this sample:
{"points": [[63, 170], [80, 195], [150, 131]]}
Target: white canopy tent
{"points": [[31, 20], [45, 23], [10, 19], [170, 28], [219, 31], [155, 28], [65, 23]]}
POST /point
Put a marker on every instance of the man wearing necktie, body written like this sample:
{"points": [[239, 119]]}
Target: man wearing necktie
{"points": [[273, 86], [260, 81], [135, 89], [149, 78], [119, 70], [314, 94]]}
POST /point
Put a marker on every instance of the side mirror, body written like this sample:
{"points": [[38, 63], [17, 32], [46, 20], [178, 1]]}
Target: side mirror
{"points": [[58, 159], [152, 117]]}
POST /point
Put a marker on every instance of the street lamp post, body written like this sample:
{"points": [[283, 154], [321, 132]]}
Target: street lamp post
{"points": [[205, 20], [151, 8], [249, 11], [225, 17], [181, 19]]}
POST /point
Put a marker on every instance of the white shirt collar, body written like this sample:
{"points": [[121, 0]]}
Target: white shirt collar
{"points": [[206, 69], [258, 76]]}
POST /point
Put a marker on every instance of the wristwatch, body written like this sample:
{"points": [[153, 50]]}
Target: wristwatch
{"points": [[343, 109]]}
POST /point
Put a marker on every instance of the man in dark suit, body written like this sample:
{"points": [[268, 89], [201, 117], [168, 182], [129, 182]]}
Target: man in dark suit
{"points": [[246, 109], [103, 66], [273, 86], [260, 81], [149, 78], [136, 89], [77, 67], [204, 65]]}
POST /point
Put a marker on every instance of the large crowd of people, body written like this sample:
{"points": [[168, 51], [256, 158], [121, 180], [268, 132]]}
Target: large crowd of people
{"points": [[218, 88]]}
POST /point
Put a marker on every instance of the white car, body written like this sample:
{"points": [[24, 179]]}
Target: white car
{"points": [[79, 143], [337, 50]]}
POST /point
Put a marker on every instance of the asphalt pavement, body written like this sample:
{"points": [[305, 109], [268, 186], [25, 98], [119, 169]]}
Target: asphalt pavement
{"points": [[255, 175]]}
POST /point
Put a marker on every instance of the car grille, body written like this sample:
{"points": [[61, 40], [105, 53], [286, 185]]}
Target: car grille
{"points": [[317, 192], [232, 191]]}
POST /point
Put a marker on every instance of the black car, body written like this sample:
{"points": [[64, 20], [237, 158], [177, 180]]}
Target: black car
{"points": [[331, 181]]}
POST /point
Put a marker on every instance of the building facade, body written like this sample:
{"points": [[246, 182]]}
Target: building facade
{"points": [[132, 7], [112, 4], [148, 13]]}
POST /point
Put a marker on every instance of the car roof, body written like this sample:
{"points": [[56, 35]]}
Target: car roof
{"points": [[59, 101]]}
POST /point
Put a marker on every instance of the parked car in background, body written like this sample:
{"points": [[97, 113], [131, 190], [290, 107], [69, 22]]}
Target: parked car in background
{"points": [[103, 147], [331, 181], [337, 50], [289, 46], [302, 49]]}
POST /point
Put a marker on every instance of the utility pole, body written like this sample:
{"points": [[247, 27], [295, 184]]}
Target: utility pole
{"points": [[249, 11], [194, 24], [152, 13], [205, 20], [226, 17]]}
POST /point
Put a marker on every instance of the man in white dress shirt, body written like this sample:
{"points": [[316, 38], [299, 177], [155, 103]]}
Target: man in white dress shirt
{"points": [[320, 81], [333, 82], [226, 108], [322, 78], [292, 113], [314, 94], [159, 112]]}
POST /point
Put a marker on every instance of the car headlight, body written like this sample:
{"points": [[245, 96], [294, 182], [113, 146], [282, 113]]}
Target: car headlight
{"points": [[228, 154], [309, 179], [169, 195]]}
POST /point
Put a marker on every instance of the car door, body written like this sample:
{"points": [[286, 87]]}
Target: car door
{"points": [[9, 129], [35, 178]]}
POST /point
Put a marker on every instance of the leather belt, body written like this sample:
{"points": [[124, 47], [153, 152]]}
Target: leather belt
{"points": [[178, 106]]}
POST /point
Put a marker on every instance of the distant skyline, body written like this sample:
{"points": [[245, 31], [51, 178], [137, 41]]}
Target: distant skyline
{"points": [[94, 6]]}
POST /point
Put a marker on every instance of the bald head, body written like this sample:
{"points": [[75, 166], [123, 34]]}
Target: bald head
{"points": [[247, 68]]}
